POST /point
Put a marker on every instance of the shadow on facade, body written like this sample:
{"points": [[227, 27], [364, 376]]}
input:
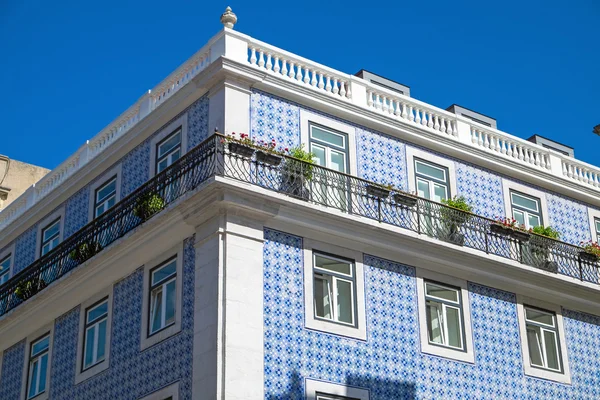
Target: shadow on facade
{"points": [[380, 389]]}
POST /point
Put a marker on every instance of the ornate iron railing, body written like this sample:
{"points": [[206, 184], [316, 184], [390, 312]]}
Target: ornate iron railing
{"points": [[300, 180]]}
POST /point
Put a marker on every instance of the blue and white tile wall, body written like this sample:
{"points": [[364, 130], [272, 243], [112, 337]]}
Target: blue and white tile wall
{"points": [[131, 374], [390, 362], [135, 170], [274, 118]]}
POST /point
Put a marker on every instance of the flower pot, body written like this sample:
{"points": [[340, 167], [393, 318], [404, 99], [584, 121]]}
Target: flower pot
{"points": [[404, 200], [268, 158], [377, 191], [521, 236], [499, 229], [241, 149], [588, 257]]}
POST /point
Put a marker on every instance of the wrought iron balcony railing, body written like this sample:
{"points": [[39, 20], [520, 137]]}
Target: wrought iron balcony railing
{"points": [[306, 182]]}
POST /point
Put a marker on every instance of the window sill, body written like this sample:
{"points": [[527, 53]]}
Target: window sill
{"points": [[547, 374], [334, 328], [445, 352], [160, 336], [90, 372]]}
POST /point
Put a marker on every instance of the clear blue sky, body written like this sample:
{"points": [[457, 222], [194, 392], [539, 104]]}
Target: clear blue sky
{"points": [[68, 68]]}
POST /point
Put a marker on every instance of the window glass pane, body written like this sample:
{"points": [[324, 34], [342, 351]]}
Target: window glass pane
{"points": [[519, 216], [33, 373], [170, 306], [441, 292], [344, 301], [539, 316], [333, 265], [525, 202], [101, 340], [431, 171], [43, 370], [534, 220], [454, 328], [319, 153], [440, 192], [434, 322], [169, 144], [535, 346], [88, 357], [106, 191], [551, 349], [162, 165], [4, 276], [5, 265], [322, 298], [51, 231], [175, 156], [97, 312], [163, 273], [423, 189], [326, 136], [598, 226], [40, 346], [156, 309], [338, 161]]}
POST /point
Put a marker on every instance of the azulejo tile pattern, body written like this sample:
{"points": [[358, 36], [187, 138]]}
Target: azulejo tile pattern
{"points": [[274, 118], [132, 374], [76, 211], [570, 218], [12, 371], [25, 248], [381, 158], [481, 188], [390, 362], [198, 129]]}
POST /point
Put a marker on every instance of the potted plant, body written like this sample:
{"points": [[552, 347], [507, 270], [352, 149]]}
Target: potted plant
{"points": [[244, 146], [85, 251], [509, 227], [457, 212], [147, 205], [27, 288], [540, 247], [267, 153], [405, 199], [379, 191], [297, 170], [590, 253]]}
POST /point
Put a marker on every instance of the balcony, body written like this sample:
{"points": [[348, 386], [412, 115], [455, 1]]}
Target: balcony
{"points": [[305, 182]]}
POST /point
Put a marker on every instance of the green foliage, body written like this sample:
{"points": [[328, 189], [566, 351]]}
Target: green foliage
{"points": [[293, 166], [547, 231], [458, 202], [591, 247], [26, 289], [450, 214], [85, 251], [148, 205]]}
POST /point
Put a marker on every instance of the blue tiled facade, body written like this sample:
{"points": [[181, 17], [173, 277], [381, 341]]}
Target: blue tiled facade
{"points": [[390, 362], [131, 374]]}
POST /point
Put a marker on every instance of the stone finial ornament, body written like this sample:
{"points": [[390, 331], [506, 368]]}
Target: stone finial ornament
{"points": [[228, 18]]}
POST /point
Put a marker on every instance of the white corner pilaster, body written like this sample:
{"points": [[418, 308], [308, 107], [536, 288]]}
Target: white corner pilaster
{"points": [[230, 107]]}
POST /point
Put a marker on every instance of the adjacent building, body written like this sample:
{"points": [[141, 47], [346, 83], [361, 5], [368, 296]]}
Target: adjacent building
{"points": [[15, 178], [170, 258]]}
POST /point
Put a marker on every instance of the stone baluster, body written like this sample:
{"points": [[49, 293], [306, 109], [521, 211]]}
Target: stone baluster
{"points": [[343, 88], [292, 73], [321, 84], [328, 83], [306, 76], [253, 56], [384, 104], [404, 111], [299, 73], [276, 67], [398, 108], [417, 116], [269, 62], [284, 67], [369, 98], [336, 89], [261, 61]]}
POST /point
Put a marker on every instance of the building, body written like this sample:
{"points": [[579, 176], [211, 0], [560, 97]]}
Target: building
{"points": [[166, 261], [16, 177]]}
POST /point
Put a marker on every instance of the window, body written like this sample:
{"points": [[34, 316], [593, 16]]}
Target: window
{"points": [[597, 226], [334, 289], [171, 392], [38, 366], [5, 265], [431, 181], [162, 296], [105, 197], [541, 331], [93, 351], [94, 345], [168, 151], [321, 390], [444, 315], [526, 209], [50, 237], [542, 339]]}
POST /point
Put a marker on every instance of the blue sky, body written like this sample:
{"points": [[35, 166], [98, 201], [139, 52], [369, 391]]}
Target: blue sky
{"points": [[70, 67]]}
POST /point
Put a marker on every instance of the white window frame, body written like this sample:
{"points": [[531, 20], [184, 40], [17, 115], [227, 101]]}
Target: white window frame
{"points": [[101, 181], [508, 186], [49, 330], [538, 372], [465, 355], [8, 251], [332, 277], [308, 118], [413, 153], [80, 375], [525, 211], [593, 216], [43, 224], [312, 387], [446, 304], [181, 122], [147, 339], [359, 329], [164, 393]]}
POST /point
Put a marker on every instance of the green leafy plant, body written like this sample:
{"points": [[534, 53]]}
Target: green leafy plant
{"points": [[547, 231], [293, 166], [27, 288], [456, 203], [148, 205], [85, 251]]}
